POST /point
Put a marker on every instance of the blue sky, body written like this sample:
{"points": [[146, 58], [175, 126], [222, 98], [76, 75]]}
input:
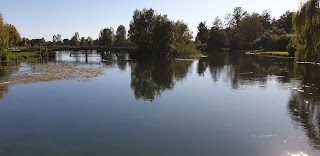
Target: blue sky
{"points": [[44, 18]]}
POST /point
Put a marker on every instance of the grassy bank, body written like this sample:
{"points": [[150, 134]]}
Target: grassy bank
{"points": [[21, 56], [29, 48], [275, 53], [267, 53]]}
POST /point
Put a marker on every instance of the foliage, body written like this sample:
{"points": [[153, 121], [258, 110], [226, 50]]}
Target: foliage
{"points": [[21, 55], [291, 48], [183, 45], [141, 28], [273, 40], [66, 41], [285, 22], [218, 39], [236, 17], [156, 36], [266, 19], [217, 36], [29, 48], [3, 34], [120, 38], [307, 32], [83, 41], [162, 37], [203, 33], [75, 40], [247, 31], [14, 36], [37, 42], [9, 36], [24, 42], [90, 41], [57, 39], [106, 37]]}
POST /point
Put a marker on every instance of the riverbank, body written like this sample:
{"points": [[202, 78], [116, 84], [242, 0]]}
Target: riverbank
{"points": [[21, 56], [267, 53]]}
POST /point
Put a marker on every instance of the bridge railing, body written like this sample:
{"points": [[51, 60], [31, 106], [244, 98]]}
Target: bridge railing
{"points": [[57, 48]]}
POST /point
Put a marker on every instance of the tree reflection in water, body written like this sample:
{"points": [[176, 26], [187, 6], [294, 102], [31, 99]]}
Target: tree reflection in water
{"points": [[150, 78], [6, 70], [304, 104], [243, 70]]}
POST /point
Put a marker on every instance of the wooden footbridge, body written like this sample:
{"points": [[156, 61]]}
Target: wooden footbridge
{"points": [[98, 48]]}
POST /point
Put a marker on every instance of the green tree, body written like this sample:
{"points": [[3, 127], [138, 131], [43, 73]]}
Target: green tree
{"points": [[237, 16], [273, 40], [13, 34], [120, 39], [183, 44], [66, 41], [57, 39], [162, 37], [156, 36], [217, 37], [307, 32], [106, 37], [152, 34], [83, 41], [4, 35], [24, 42], [203, 33], [285, 22], [2, 45], [75, 40], [248, 30], [217, 23], [141, 29], [266, 19], [90, 41]]}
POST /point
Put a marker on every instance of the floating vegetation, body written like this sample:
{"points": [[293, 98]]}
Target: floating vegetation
{"points": [[51, 72]]}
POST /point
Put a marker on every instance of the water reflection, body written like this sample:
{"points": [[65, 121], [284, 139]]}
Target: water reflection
{"points": [[6, 70], [207, 121], [150, 78], [202, 66], [243, 70], [89, 56], [298, 154], [304, 104]]}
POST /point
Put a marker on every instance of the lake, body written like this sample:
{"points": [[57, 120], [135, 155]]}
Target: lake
{"points": [[226, 104]]}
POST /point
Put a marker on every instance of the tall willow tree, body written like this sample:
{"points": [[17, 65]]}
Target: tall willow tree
{"points": [[306, 24]]}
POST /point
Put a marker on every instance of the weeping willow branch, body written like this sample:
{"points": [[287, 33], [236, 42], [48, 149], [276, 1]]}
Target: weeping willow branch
{"points": [[306, 24]]}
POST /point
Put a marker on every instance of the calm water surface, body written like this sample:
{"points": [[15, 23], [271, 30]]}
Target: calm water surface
{"points": [[233, 105]]}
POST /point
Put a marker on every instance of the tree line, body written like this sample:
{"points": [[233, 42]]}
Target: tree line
{"points": [[242, 30], [150, 34], [107, 37], [154, 35]]}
